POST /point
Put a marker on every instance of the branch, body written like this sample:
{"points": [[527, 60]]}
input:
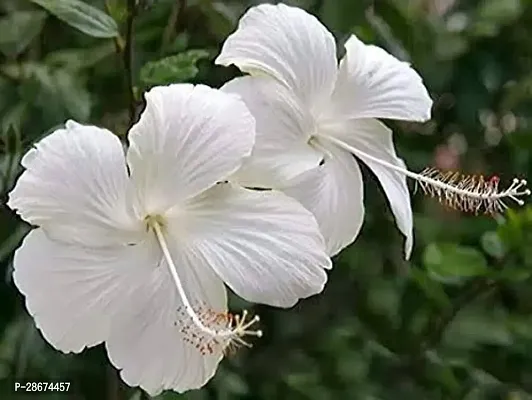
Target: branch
{"points": [[415, 363], [128, 59], [437, 326], [175, 22]]}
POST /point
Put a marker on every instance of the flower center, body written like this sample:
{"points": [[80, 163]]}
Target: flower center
{"points": [[314, 142], [204, 328], [152, 220]]}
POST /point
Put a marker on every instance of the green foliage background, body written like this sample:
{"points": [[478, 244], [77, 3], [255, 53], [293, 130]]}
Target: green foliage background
{"points": [[454, 323]]}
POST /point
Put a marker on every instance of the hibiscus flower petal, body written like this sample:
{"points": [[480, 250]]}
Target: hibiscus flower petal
{"points": [[264, 245], [374, 84], [154, 342], [187, 139], [281, 149], [74, 187], [288, 44], [74, 292], [373, 138], [334, 193]]}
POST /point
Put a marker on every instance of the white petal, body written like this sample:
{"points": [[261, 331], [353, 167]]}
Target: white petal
{"points": [[74, 187], [281, 149], [263, 244], [334, 193], [375, 139], [154, 342], [73, 292], [374, 84], [288, 44], [188, 138]]}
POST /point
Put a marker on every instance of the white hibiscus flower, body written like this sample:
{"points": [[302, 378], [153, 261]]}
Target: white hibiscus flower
{"points": [[134, 249], [313, 115]]}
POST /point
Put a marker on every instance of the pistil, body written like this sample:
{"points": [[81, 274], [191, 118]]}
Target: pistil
{"points": [[236, 327], [464, 192]]}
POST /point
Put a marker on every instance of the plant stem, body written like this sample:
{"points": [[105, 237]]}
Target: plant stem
{"points": [[128, 59], [174, 21], [436, 326], [415, 363]]}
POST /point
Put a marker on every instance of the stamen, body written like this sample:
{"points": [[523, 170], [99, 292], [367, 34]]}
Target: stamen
{"points": [[482, 195], [207, 344], [231, 330], [470, 193]]}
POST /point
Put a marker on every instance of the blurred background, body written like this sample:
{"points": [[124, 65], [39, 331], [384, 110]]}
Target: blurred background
{"points": [[453, 323]]}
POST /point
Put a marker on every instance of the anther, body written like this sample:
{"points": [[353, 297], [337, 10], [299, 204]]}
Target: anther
{"points": [[223, 323], [470, 193]]}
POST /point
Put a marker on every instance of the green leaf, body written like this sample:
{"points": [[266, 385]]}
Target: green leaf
{"points": [[492, 245], [173, 69], [449, 262], [18, 30], [10, 153], [81, 16], [56, 91], [220, 17], [478, 325], [180, 43], [76, 97], [80, 58], [117, 9], [512, 273], [432, 289]]}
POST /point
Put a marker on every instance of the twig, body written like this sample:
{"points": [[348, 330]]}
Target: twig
{"points": [[437, 326], [175, 21], [12, 159], [415, 363], [117, 40], [128, 59]]}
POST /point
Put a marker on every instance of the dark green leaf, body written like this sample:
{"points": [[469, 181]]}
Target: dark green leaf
{"points": [[511, 273], [83, 17], [477, 325], [432, 289], [448, 261], [173, 69], [492, 245], [76, 59], [18, 30], [57, 92]]}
